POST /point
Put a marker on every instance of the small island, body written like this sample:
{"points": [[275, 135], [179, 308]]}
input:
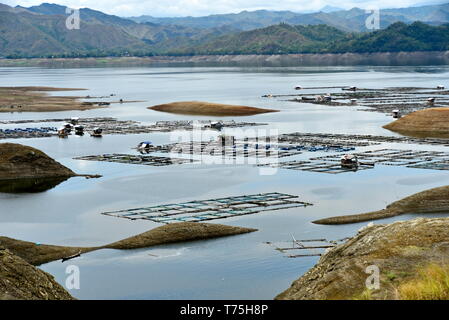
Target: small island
{"points": [[430, 201], [37, 99], [209, 109], [171, 233]]}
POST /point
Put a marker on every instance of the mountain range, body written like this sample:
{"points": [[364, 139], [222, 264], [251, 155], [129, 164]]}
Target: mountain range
{"points": [[40, 31], [346, 20]]}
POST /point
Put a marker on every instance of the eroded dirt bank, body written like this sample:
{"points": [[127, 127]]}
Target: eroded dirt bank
{"points": [[306, 59]]}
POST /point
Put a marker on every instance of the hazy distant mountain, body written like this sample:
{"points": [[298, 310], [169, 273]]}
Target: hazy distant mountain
{"points": [[244, 20], [329, 9], [284, 38], [348, 20]]}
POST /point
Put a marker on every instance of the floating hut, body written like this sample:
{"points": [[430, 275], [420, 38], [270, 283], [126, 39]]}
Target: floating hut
{"points": [[62, 132], [97, 132], [68, 127], [79, 130], [396, 114], [349, 161]]}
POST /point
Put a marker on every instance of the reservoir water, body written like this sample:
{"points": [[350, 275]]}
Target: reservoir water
{"points": [[239, 267]]}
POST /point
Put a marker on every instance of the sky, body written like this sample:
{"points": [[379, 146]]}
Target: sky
{"points": [[177, 8]]}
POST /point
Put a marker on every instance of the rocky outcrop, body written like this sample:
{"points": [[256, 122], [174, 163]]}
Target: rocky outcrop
{"points": [[22, 162], [397, 249], [20, 280]]}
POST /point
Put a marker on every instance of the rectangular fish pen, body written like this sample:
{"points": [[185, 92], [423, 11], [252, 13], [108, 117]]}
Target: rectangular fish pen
{"points": [[433, 160], [306, 247], [219, 208], [136, 159]]}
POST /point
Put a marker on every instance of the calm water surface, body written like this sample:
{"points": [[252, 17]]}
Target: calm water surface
{"points": [[240, 267]]}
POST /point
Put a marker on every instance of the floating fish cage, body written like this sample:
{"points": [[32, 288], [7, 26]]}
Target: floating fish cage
{"points": [[353, 140], [114, 126], [394, 157], [407, 99], [232, 150], [219, 208], [136, 159], [306, 247], [317, 166], [19, 133], [434, 160]]}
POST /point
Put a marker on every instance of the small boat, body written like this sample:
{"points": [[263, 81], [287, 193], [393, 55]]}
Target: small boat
{"points": [[353, 101], [349, 161], [76, 255], [352, 88], [145, 145], [441, 87], [74, 120], [298, 88], [431, 101]]}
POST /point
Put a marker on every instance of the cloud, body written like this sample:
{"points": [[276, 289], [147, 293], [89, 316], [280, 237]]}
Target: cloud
{"points": [[166, 8]]}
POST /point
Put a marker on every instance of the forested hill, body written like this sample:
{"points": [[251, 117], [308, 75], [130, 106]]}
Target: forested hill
{"points": [[284, 39], [41, 31]]}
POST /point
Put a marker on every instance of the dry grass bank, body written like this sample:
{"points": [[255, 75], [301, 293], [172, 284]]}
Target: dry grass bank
{"points": [[410, 256], [433, 122]]}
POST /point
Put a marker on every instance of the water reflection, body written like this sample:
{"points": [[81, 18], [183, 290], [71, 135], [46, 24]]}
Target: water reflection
{"points": [[30, 185]]}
